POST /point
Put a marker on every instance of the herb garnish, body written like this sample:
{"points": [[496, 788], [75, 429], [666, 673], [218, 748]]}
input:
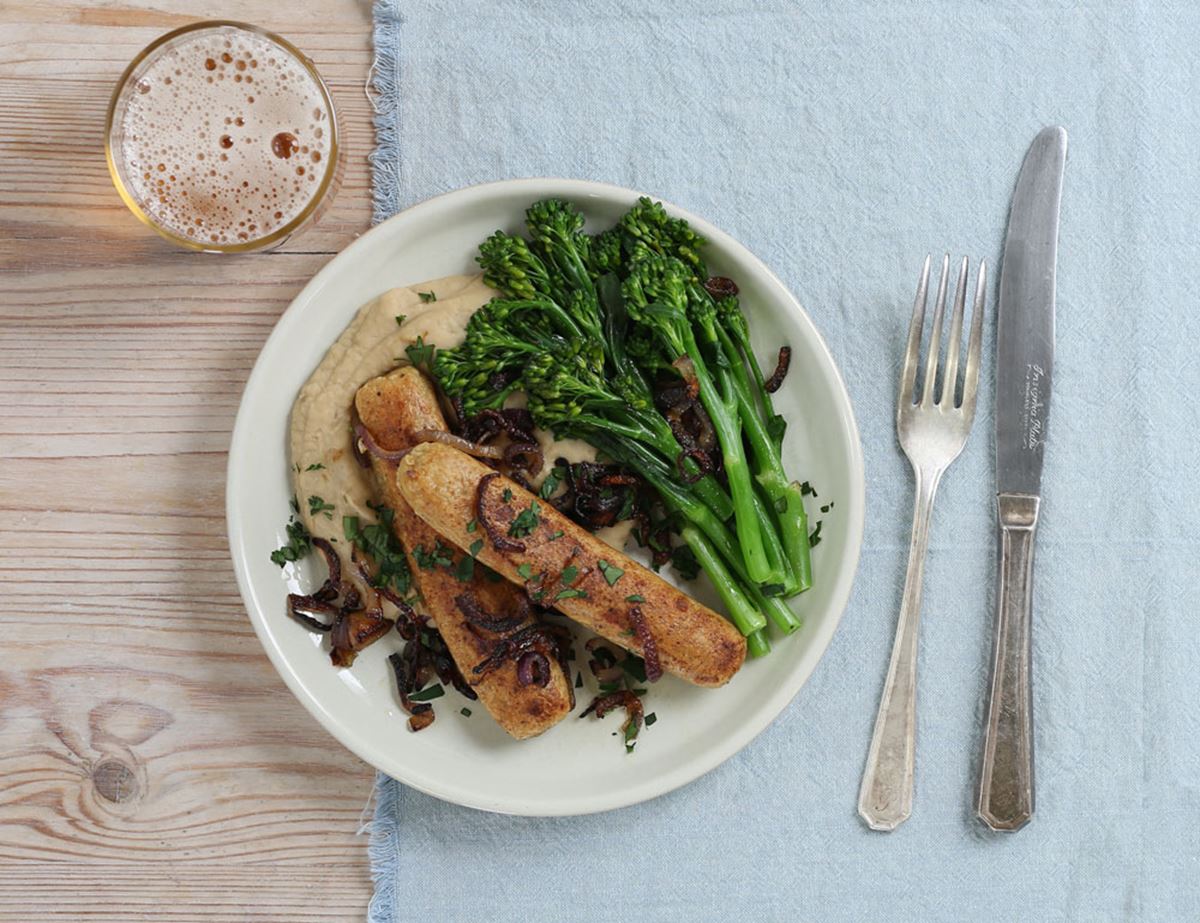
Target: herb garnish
{"points": [[377, 540], [316, 466], [570, 593], [472, 526], [400, 319], [420, 354], [318, 505], [611, 572], [465, 712], [570, 572], [299, 543], [476, 547], [525, 571], [685, 562], [432, 692], [432, 558], [635, 598], [814, 539], [427, 297], [507, 495], [525, 522], [806, 490], [651, 718], [550, 484], [558, 533], [578, 680], [466, 568]]}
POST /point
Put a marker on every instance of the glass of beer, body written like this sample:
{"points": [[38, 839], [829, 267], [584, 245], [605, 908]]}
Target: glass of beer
{"points": [[222, 137]]}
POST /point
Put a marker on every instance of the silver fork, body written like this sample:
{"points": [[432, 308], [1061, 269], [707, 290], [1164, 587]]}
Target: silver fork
{"points": [[932, 429]]}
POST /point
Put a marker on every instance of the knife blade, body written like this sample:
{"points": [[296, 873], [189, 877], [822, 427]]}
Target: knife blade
{"points": [[1024, 366], [1025, 316]]}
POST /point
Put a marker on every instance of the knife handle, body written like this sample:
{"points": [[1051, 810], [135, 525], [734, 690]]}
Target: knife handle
{"points": [[1006, 779]]}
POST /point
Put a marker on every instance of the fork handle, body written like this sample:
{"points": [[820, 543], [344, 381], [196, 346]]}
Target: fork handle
{"points": [[885, 799], [1006, 778]]}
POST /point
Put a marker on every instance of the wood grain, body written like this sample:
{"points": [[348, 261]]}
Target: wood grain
{"points": [[152, 764]]}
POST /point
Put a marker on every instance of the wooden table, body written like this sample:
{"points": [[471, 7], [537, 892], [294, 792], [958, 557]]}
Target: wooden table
{"points": [[152, 764]]}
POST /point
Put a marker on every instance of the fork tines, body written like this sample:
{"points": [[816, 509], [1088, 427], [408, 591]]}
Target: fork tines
{"points": [[945, 391]]}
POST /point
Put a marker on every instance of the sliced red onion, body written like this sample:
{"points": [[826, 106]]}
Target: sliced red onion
{"points": [[781, 369], [472, 610], [493, 452], [533, 669], [363, 435], [720, 286], [637, 620], [499, 541]]}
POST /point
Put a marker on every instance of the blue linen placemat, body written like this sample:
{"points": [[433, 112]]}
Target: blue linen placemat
{"points": [[841, 142]]}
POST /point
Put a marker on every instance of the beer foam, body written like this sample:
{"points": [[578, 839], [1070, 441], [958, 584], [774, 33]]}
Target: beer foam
{"points": [[225, 136]]}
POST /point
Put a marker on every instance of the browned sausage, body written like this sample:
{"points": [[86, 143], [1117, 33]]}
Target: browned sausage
{"points": [[442, 485], [392, 408]]}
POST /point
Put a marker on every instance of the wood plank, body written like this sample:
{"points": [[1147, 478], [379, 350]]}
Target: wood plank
{"points": [[152, 764]]}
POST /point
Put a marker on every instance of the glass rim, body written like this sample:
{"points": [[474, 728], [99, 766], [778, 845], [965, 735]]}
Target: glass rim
{"points": [[246, 246]]}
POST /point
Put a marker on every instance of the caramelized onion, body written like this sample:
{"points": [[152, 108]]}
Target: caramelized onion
{"points": [[499, 541], [468, 604], [332, 587], [524, 455], [687, 371], [305, 609], [720, 286], [533, 669], [622, 698], [353, 631], [463, 445], [781, 369], [637, 620], [606, 660], [703, 462], [363, 435]]}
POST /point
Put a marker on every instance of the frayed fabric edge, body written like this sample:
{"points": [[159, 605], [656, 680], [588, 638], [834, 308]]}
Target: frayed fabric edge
{"points": [[383, 88], [383, 851]]}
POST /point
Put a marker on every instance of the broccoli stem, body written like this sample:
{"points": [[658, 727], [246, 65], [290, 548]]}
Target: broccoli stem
{"points": [[741, 610], [757, 644], [774, 547], [785, 496], [723, 411]]}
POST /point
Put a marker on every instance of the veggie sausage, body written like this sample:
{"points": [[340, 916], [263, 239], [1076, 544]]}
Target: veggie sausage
{"points": [[392, 408], [563, 565]]}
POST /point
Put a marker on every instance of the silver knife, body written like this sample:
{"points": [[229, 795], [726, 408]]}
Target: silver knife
{"points": [[1024, 362]]}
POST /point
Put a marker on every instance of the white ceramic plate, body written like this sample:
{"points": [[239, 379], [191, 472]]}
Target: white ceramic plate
{"points": [[577, 767]]}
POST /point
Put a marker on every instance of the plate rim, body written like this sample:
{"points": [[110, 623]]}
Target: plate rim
{"points": [[374, 755]]}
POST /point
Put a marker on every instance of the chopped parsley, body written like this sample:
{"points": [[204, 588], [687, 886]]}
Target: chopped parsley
{"points": [[400, 319], [432, 558], [472, 526], [525, 571], [570, 593], [570, 572], [317, 466], [628, 633], [651, 718], [631, 733], [465, 570], [377, 540], [635, 667], [525, 522], [299, 543], [806, 490], [814, 539], [827, 507], [558, 533], [685, 562], [317, 505], [420, 353], [553, 479], [476, 547], [465, 712], [635, 598], [427, 297], [611, 572], [432, 692], [507, 495], [578, 680]]}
